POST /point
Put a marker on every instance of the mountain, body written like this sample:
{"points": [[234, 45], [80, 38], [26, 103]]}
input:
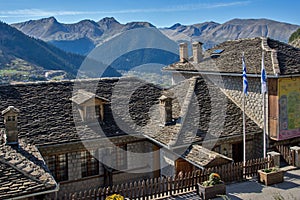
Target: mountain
{"points": [[25, 58], [80, 37], [295, 39], [211, 33], [83, 36]]}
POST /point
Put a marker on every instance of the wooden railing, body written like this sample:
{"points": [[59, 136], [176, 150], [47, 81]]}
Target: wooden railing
{"points": [[167, 186], [286, 153]]}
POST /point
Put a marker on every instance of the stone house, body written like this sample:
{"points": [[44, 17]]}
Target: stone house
{"points": [[223, 65], [73, 140], [92, 133]]}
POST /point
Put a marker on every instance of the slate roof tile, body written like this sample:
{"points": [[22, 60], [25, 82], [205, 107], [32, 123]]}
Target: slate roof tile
{"points": [[23, 177], [47, 115], [202, 156], [209, 115]]}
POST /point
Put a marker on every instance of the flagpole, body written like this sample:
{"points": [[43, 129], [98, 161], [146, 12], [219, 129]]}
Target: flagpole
{"points": [[244, 131], [245, 88], [264, 117], [263, 91]]}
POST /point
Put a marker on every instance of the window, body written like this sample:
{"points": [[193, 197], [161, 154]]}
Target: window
{"points": [[97, 111], [89, 164], [93, 112], [121, 157], [58, 165]]}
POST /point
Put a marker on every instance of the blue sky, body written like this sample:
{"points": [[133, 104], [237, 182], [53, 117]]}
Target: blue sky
{"points": [[161, 13]]}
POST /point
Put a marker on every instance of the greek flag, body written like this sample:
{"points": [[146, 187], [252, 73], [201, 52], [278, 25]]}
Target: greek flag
{"points": [[263, 77], [245, 82]]}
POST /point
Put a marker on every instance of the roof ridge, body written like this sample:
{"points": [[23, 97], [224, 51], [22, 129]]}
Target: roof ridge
{"points": [[184, 108], [189, 95], [266, 47]]}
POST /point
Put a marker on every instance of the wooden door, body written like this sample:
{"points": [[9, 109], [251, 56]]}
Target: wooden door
{"points": [[237, 152], [183, 166]]}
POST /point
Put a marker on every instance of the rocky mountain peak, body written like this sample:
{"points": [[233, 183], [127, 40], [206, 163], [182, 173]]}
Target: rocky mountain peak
{"points": [[175, 26], [108, 20], [133, 25]]}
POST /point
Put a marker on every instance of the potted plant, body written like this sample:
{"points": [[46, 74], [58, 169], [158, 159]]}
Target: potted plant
{"points": [[211, 188], [270, 176]]}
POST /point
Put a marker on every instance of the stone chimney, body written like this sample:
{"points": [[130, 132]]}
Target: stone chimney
{"points": [[165, 108], [197, 52], [183, 52], [10, 115]]}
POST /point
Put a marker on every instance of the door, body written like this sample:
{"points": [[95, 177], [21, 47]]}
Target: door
{"points": [[237, 152], [183, 166]]}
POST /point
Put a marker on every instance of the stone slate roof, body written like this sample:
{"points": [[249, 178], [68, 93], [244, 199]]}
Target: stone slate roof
{"points": [[47, 115], [280, 58], [204, 157], [207, 115], [23, 172]]}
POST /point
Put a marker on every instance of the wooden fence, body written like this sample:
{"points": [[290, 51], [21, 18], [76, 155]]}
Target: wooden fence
{"points": [[286, 153], [167, 186]]}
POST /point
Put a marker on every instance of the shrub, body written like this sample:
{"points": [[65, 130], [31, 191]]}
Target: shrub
{"points": [[269, 170], [214, 179]]}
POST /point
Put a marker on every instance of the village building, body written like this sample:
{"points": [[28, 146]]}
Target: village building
{"points": [[77, 135], [282, 66], [57, 124]]}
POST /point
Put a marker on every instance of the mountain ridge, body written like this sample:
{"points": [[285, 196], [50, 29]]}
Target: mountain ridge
{"points": [[89, 33], [95, 33], [24, 58], [54, 32], [212, 33]]}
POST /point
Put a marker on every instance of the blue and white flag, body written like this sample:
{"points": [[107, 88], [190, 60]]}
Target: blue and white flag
{"points": [[245, 81], [263, 77]]}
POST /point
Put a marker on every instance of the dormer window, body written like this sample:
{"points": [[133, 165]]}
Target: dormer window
{"points": [[90, 106]]}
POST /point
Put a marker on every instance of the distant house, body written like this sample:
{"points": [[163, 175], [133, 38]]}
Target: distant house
{"points": [[94, 133]]}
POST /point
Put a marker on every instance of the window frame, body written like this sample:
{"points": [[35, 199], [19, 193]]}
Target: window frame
{"points": [[54, 163], [89, 164]]}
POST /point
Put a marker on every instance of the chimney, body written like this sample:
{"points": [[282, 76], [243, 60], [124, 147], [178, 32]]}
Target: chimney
{"points": [[197, 52], [165, 108], [183, 52], [10, 115]]}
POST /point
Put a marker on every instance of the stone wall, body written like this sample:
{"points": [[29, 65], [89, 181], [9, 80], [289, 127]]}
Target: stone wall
{"points": [[167, 161], [233, 88], [139, 155], [254, 145]]}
